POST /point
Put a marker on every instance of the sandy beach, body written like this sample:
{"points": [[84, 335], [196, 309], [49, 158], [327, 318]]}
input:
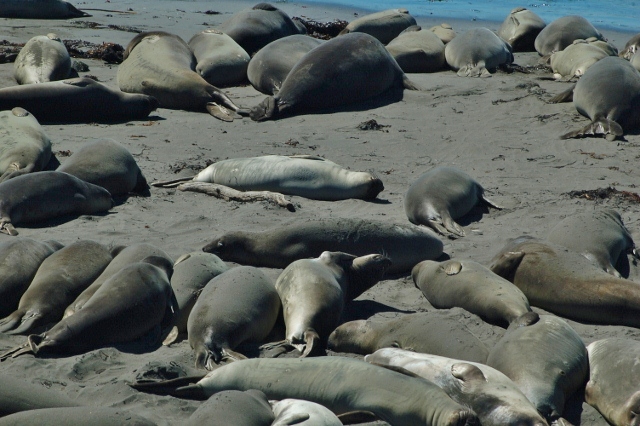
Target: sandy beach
{"points": [[500, 130]]}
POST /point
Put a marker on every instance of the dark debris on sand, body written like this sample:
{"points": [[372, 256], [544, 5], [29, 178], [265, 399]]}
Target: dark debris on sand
{"points": [[322, 30], [605, 193], [372, 125], [111, 53]]}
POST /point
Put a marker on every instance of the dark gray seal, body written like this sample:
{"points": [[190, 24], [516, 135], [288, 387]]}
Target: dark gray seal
{"points": [[42, 59], [271, 65], [435, 332], [238, 306], [77, 100], [76, 416], [405, 245], [520, 29], [471, 286], [107, 163], [24, 145], [221, 61], [256, 27], [232, 407], [440, 196], [18, 395], [545, 358], [39, 9], [384, 25], [562, 32], [477, 52], [39, 196], [417, 50], [162, 65], [344, 70]]}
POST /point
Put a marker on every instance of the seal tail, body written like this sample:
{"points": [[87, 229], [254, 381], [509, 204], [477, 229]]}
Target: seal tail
{"points": [[174, 387], [600, 126], [33, 346], [171, 183]]}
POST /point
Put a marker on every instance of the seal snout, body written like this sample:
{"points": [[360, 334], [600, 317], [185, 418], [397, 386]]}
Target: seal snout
{"points": [[376, 187]]}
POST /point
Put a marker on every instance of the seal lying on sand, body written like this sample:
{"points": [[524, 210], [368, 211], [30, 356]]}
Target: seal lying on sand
{"points": [[353, 385], [520, 29], [344, 70], [18, 395], [417, 50], [306, 413], [162, 65], [444, 32], [39, 9], [477, 52], [221, 61], [24, 145], [562, 32], [405, 245], [77, 100], [575, 59], [631, 47], [384, 25], [76, 416], [42, 59], [232, 407]]}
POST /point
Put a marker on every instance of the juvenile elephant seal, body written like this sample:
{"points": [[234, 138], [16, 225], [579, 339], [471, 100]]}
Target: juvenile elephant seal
{"points": [[520, 29], [24, 145], [440, 196], [437, 333], [307, 176], [221, 61], [545, 358], [384, 25], [42, 59], [60, 278], [614, 373], [20, 259], [575, 59], [238, 306], [256, 27], [608, 94], [598, 235], [417, 50], [76, 416], [271, 65], [315, 291], [444, 32], [36, 197], [471, 286], [304, 413], [344, 70], [566, 283], [77, 100], [128, 305], [631, 47], [562, 32], [108, 164], [477, 52], [488, 392], [39, 9], [18, 395], [162, 65], [353, 385], [232, 407], [405, 245]]}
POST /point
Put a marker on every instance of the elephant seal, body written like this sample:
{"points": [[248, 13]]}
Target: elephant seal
{"points": [[545, 358], [24, 145], [256, 27], [353, 385], [232, 407], [444, 32], [631, 47], [306, 176], [77, 100], [598, 235], [405, 245], [131, 303], [191, 272], [608, 94], [108, 164], [520, 29], [575, 59], [76, 416], [635, 62], [271, 65], [384, 25], [162, 65], [315, 291], [39, 196], [333, 74], [20, 259], [238, 306], [304, 413], [471, 286], [221, 61], [477, 52], [434, 332], [562, 32], [18, 395], [441, 195], [123, 257], [417, 50], [614, 372], [42, 59], [566, 283], [488, 392], [39, 9], [59, 279]]}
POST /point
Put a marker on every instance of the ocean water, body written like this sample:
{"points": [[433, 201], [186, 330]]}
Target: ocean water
{"points": [[621, 15]]}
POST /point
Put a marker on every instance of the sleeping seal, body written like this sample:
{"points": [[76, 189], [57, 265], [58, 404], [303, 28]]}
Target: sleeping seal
{"points": [[39, 9], [520, 29], [232, 407], [19, 394], [344, 70], [42, 59], [575, 59], [304, 413], [384, 25], [477, 52], [562, 32], [76, 416], [444, 32], [631, 47], [221, 61], [417, 50]]}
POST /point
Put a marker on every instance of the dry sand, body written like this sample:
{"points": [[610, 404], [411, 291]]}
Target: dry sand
{"points": [[500, 130]]}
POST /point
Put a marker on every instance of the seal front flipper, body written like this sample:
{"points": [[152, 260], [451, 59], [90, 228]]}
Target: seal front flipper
{"points": [[566, 96], [600, 126], [265, 110], [7, 227], [170, 387], [311, 344]]}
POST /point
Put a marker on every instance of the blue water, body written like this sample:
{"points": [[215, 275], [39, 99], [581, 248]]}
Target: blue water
{"points": [[621, 15]]}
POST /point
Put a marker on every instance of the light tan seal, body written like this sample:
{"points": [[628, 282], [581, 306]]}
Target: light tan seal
{"points": [[24, 145], [520, 29], [42, 59], [477, 52], [575, 59], [232, 407], [631, 47], [384, 25], [417, 50], [444, 32], [221, 61], [304, 413]]}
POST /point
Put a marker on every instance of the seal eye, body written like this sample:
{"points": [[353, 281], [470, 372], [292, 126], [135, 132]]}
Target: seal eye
{"points": [[395, 345]]}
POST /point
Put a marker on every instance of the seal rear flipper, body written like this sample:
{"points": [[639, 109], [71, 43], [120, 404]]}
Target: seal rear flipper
{"points": [[220, 112], [312, 345], [566, 96], [172, 183], [600, 126], [489, 203], [450, 225], [265, 110], [170, 387]]}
